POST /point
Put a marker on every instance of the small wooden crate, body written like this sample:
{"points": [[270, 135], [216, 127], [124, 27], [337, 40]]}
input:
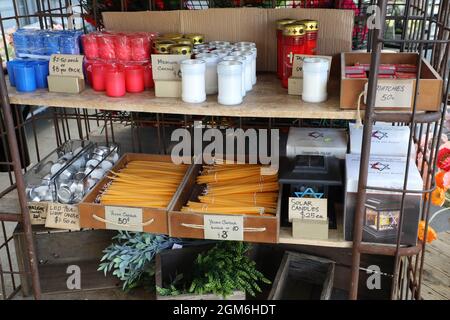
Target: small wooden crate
{"points": [[169, 263], [92, 215], [190, 224], [303, 277]]}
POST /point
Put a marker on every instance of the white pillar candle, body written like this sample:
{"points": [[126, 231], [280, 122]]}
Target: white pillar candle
{"points": [[315, 78], [248, 67], [230, 82], [193, 80], [211, 60], [255, 55], [242, 60]]}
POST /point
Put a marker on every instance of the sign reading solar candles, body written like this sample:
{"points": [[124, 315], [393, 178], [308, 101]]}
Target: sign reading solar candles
{"points": [[308, 205]]}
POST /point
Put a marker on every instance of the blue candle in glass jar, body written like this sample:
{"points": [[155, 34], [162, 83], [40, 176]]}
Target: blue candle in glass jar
{"points": [[20, 40], [10, 67], [51, 42], [41, 71], [36, 42], [25, 77]]}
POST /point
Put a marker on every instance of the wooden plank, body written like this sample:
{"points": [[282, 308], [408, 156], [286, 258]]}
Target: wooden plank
{"points": [[267, 99], [101, 294], [335, 239]]}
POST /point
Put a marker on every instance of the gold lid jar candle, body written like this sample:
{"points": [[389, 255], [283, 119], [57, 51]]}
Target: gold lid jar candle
{"points": [[293, 43], [162, 46], [182, 49], [195, 38], [184, 41], [312, 30], [280, 26], [211, 61], [230, 82], [193, 80]]}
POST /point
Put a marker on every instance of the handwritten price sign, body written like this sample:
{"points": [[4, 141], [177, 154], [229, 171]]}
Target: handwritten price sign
{"points": [[307, 208], [393, 93], [123, 218], [66, 65], [221, 227]]}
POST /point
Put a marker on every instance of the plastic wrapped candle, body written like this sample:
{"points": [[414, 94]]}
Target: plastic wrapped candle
{"points": [[90, 47], [193, 80], [106, 48], [115, 81], [211, 60], [315, 78], [51, 42], [134, 78], [123, 47], [230, 82], [140, 47]]}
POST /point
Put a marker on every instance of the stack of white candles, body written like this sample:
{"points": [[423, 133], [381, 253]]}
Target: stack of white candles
{"points": [[228, 70]]}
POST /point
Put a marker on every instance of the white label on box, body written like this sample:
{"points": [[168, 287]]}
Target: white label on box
{"points": [[68, 65], [62, 216], [307, 208], [392, 93], [123, 218], [224, 227], [166, 66], [38, 212]]}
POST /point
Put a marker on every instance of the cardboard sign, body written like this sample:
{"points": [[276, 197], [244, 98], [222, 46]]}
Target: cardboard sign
{"points": [[393, 93], [38, 212], [224, 227], [307, 208], [167, 66], [62, 216], [67, 65], [123, 218], [297, 65]]}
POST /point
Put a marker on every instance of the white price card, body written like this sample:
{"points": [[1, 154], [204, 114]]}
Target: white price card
{"points": [[393, 93], [38, 212], [123, 218], [62, 216], [69, 65], [307, 208], [224, 227]]}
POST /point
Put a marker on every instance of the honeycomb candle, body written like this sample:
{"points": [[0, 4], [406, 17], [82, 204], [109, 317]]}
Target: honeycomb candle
{"points": [[193, 80]]}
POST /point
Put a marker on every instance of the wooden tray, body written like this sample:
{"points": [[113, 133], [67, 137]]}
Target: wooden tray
{"points": [[154, 220], [190, 224]]}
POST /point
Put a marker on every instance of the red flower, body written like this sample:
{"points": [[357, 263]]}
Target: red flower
{"points": [[443, 159]]}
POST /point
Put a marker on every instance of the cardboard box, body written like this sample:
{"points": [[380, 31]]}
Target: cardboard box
{"points": [[167, 66], [295, 86], [316, 141], [382, 208], [241, 24], [65, 84], [168, 89], [92, 213], [310, 229], [386, 140], [430, 90]]}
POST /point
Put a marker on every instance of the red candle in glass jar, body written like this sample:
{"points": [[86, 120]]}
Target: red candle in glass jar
{"points": [[90, 47], [106, 49], [115, 81], [140, 47], [280, 26], [148, 76], [134, 78], [88, 71], [98, 76], [122, 47], [312, 30], [293, 43]]}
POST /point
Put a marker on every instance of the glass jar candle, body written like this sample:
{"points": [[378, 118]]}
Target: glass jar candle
{"points": [[315, 79], [140, 47], [98, 76], [182, 49], [280, 26], [248, 55], [195, 38], [41, 70], [123, 47], [134, 78], [242, 60], [193, 80], [163, 46], [293, 43], [106, 50], [211, 61], [230, 82], [89, 43], [115, 81], [148, 76], [312, 30], [25, 77], [254, 51]]}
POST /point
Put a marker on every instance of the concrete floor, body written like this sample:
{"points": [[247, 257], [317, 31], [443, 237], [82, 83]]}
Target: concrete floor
{"points": [[436, 276]]}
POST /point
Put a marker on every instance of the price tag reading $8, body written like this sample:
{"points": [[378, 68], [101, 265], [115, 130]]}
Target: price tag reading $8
{"points": [[222, 227]]}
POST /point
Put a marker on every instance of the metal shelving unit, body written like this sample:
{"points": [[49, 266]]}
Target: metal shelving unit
{"points": [[425, 29]]}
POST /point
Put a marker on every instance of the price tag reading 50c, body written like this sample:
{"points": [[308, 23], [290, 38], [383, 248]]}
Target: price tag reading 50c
{"points": [[221, 227]]}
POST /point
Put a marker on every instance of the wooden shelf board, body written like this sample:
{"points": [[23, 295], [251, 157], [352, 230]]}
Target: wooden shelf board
{"points": [[335, 239], [267, 99]]}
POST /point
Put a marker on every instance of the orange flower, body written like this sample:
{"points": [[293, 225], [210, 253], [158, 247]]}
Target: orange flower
{"points": [[438, 196], [440, 179], [431, 234]]}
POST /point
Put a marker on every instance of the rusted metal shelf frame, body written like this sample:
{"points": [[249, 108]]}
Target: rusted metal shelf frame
{"points": [[359, 247], [414, 284]]}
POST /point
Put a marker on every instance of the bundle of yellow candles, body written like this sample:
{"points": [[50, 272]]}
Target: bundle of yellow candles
{"points": [[236, 189], [143, 183]]}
